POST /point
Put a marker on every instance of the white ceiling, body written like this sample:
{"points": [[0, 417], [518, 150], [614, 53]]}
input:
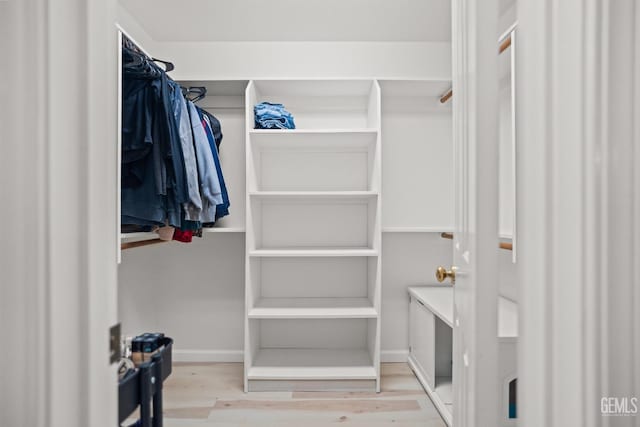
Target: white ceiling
{"points": [[293, 20]]}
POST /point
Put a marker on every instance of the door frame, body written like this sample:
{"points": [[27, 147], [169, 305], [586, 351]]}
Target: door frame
{"points": [[579, 209], [476, 386], [58, 295]]}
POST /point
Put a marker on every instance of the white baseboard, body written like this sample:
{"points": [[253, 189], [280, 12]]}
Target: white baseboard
{"points": [[394, 356], [186, 355], [208, 355]]}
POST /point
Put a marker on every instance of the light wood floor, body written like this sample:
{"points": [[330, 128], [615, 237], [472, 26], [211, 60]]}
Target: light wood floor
{"points": [[211, 395]]}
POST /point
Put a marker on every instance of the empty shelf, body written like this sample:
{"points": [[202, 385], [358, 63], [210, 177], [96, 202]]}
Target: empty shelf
{"points": [[316, 140], [312, 364], [313, 131], [308, 252], [350, 195], [313, 308]]}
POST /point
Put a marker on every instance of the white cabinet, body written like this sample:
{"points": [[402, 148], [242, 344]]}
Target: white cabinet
{"points": [[431, 345], [313, 238]]}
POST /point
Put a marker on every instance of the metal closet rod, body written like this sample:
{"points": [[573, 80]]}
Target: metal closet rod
{"points": [[503, 245], [504, 45]]}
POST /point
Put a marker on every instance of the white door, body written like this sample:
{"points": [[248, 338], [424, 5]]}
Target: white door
{"points": [[475, 117], [58, 150]]}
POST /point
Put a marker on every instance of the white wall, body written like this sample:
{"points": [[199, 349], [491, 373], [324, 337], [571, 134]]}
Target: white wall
{"points": [[193, 292], [134, 30], [408, 259], [264, 60]]}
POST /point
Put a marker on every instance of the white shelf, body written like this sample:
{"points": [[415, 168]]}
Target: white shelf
{"points": [[224, 230], [150, 235], [138, 236], [320, 131], [325, 252], [277, 89], [313, 308], [351, 195], [316, 140], [312, 364]]}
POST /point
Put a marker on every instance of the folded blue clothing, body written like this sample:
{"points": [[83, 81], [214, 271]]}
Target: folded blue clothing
{"points": [[272, 116]]}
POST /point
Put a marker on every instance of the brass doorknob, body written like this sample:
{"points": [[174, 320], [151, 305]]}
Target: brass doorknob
{"points": [[442, 274]]}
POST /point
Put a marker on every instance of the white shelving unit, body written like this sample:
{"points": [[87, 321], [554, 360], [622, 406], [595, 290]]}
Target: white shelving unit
{"points": [[313, 238]]}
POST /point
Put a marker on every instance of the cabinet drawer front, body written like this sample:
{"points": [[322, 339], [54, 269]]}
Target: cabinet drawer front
{"points": [[422, 339]]}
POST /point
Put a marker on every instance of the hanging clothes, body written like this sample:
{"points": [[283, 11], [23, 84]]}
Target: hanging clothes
{"points": [[215, 126], [171, 174], [149, 187], [193, 206], [209, 183], [222, 209]]}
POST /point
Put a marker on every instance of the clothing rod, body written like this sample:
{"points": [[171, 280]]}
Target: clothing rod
{"points": [[507, 34], [448, 94], [503, 245], [131, 245], [504, 40], [505, 44], [506, 246]]}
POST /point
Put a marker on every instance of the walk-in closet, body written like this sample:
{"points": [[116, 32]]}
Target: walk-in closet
{"points": [[321, 277], [293, 213]]}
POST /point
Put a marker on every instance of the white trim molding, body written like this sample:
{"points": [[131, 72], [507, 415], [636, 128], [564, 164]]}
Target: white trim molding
{"points": [[207, 356], [224, 356], [578, 206]]}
